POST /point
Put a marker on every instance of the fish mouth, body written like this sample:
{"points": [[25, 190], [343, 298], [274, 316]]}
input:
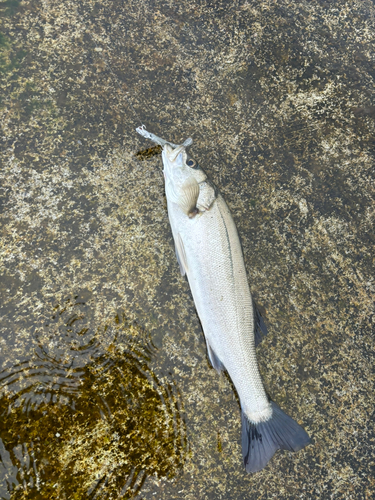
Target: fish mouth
{"points": [[172, 153]]}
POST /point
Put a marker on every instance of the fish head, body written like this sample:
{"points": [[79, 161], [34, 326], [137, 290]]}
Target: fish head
{"points": [[179, 166], [182, 178]]}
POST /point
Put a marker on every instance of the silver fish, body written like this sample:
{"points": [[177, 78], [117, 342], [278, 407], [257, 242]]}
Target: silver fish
{"points": [[209, 253]]}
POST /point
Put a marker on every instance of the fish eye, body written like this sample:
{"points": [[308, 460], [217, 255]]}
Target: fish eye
{"points": [[192, 163]]}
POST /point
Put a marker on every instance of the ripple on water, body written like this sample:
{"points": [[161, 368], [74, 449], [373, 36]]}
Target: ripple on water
{"points": [[85, 416], [64, 346]]}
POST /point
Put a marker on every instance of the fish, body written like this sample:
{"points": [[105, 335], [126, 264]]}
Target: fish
{"points": [[209, 254]]}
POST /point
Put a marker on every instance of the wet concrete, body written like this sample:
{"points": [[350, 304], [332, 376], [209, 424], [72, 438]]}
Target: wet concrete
{"points": [[100, 342]]}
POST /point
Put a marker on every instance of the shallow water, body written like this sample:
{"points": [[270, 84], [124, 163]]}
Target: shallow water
{"points": [[105, 385]]}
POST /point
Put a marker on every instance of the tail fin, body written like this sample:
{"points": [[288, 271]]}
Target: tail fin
{"points": [[261, 440]]}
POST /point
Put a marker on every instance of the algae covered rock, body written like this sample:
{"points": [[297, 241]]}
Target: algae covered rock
{"points": [[90, 416]]}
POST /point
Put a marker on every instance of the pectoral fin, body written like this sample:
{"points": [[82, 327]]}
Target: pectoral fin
{"points": [[188, 196], [180, 254]]}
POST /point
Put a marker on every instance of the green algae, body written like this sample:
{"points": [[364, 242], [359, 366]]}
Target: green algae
{"points": [[9, 59], [148, 153], [116, 427], [9, 7]]}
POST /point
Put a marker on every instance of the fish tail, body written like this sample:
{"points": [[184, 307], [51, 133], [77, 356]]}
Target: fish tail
{"points": [[261, 440]]}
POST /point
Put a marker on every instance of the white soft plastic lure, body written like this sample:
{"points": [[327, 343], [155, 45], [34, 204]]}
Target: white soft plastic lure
{"points": [[209, 252]]}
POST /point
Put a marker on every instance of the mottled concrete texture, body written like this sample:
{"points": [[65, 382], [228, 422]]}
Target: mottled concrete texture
{"points": [[106, 389]]}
